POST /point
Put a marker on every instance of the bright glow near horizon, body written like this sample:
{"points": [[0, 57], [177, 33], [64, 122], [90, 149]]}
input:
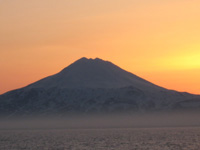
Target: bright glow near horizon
{"points": [[157, 40]]}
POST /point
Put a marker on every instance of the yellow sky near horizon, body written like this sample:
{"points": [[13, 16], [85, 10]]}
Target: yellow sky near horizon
{"points": [[157, 40]]}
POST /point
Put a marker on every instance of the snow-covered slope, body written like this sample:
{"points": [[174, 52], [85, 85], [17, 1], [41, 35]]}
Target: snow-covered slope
{"points": [[93, 85]]}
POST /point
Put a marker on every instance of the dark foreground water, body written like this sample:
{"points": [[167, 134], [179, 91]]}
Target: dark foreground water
{"points": [[102, 139]]}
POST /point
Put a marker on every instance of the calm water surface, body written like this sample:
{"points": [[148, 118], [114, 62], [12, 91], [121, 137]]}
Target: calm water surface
{"points": [[102, 139]]}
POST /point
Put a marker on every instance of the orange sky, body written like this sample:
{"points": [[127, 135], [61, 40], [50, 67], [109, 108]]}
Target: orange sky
{"points": [[157, 40]]}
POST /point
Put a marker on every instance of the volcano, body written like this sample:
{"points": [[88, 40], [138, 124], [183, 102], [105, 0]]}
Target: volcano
{"points": [[93, 85]]}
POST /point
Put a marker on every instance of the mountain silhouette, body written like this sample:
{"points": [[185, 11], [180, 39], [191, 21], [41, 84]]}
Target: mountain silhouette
{"points": [[93, 85]]}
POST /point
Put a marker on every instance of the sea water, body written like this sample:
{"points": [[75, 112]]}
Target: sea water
{"points": [[187, 138]]}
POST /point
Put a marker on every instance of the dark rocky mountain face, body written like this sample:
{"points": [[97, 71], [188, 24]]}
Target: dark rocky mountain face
{"points": [[93, 85]]}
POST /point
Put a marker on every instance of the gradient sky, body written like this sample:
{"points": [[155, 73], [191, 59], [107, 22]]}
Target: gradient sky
{"points": [[156, 40]]}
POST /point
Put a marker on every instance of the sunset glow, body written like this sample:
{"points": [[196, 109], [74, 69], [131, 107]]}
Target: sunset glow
{"points": [[156, 40]]}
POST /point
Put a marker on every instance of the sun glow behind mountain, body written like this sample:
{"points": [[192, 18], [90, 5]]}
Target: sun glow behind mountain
{"points": [[157, 40]]}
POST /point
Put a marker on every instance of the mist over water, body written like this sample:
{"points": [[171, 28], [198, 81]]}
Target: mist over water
{"points": [[136, 120]]}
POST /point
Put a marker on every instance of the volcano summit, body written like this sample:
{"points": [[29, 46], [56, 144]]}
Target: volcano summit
{"points": [[94, 73]]}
